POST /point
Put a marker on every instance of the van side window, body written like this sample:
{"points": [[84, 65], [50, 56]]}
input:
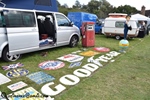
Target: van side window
{"points": [[19, 19], [28, 19], [1, 21], [62, 20], [119, 24]]}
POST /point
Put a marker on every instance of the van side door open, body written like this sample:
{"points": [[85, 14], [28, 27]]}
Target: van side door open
{"points": [[21, 31]]}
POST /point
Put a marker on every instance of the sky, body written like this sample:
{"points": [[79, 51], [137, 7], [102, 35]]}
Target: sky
{"points": [[135, 3]]}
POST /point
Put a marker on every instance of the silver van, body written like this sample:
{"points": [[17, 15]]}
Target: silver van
{"points": [[24, 31]]}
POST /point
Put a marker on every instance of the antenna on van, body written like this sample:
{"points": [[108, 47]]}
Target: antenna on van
{"points": [[2, 3]]}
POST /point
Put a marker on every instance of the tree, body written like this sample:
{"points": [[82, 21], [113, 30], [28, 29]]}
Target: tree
{"points": [[93, 5], [101, 8], [105, 8], [65, 6], [58, 4], [77, 4], [127, 9], [84, 7]]}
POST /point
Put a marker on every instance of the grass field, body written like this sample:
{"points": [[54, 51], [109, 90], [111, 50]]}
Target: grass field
{"points": [[125, 79]]}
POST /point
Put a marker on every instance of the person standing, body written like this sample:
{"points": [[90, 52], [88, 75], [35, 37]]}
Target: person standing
{"points": [[127, 26]]}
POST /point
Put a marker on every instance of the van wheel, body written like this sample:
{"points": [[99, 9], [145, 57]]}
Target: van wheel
{"points": [[100, 31], [117, 37], [73, 41], [148, 31], [7, 57]]}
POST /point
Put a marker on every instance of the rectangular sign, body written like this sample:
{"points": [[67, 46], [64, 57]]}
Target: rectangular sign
{"points": [[40, 77], [3, 79], [75, 64], [71, 58], [17, 86], [26, 94]]}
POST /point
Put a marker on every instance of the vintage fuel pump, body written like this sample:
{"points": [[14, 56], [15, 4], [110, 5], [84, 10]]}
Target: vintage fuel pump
{"points": [[88, 34]]}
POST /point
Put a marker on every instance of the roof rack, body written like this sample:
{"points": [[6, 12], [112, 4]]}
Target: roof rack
{"points": [[117, 15]]}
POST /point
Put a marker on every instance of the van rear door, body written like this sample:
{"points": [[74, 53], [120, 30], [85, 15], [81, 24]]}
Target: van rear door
{"points": [[21, 31]]}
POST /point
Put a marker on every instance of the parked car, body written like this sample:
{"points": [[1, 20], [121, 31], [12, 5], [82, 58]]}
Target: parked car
{"points": [[148, 29], [23, 31]]}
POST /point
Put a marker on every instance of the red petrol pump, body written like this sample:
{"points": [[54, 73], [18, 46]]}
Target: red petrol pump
{"points": [[88, 34]]}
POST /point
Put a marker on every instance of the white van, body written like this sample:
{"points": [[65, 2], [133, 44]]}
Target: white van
{"points": [[24, 31], [114, 27]]}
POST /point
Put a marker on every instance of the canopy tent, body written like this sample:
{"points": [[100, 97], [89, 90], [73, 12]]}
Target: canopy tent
{"points": [[140, 17], [46, 5]]}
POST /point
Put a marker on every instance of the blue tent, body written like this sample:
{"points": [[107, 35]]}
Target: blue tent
{"points": [[46, 5]]}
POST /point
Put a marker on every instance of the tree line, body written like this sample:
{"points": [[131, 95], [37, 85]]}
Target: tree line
{"points": [[99, 7]]}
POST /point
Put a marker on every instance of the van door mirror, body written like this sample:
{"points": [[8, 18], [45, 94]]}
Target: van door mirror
{"points": [[98, 22], [71, 23]]}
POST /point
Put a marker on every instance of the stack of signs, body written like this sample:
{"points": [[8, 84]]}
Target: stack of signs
{"points": [[17, 86], [51, 65], [26, 94], [101, 49], [89, 53], [12, 66], [3, 79], [17, 72], [75, 64], [40, 77], [71, 58]]}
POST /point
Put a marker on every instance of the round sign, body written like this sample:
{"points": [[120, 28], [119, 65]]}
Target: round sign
{"points": [[17, 72], [51, 65], [101, 49]]}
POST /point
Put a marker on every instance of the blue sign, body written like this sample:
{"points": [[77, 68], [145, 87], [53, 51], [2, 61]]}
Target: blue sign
{"points": [[17, 72], [40, 77]]}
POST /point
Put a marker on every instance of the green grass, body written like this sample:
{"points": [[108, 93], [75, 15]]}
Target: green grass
{"points": [[125, 79]]}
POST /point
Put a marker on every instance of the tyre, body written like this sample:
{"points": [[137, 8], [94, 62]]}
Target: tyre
{"points": [[7, 57], [100, 31], [148, 31], [74, 41], [117, 37]]}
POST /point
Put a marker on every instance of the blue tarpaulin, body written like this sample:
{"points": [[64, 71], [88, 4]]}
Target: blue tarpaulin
{"points": [[46, 5]]}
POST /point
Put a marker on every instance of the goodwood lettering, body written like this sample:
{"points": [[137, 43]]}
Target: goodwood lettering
{"points": [[74, 78]]}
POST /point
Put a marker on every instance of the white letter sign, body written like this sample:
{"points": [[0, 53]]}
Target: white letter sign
{"points": [[48, 91], [69, 80]]}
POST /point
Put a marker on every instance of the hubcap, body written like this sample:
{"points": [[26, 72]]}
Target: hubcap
{"points": [[13, 57], [117, 37], [74, 41]]}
